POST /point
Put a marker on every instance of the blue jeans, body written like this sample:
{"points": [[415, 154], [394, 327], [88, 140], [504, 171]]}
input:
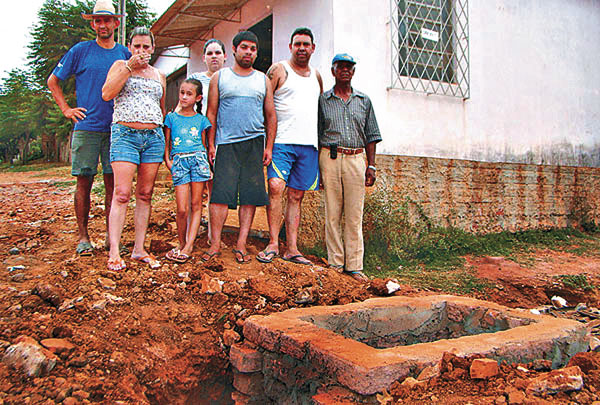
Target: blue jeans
{"points": [[190, 168], [136, 145]]}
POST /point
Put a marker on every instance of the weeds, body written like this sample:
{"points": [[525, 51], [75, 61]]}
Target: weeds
{"points": [[401, 242], [64, 184], [578, 281]]}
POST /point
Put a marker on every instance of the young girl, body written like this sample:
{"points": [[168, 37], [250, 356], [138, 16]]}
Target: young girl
{"points": [[185, 156]]}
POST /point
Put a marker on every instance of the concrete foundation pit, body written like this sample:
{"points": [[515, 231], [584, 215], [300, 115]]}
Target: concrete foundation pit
{"points": [[364, 347]]}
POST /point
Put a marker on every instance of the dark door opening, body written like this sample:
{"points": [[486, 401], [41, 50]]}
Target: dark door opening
{"points": [[264, 32]]}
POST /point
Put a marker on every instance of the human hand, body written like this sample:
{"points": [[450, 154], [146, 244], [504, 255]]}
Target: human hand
{"points": [[138, 61], [212, 153], [75, 114], [370, 176], [267, 155]]}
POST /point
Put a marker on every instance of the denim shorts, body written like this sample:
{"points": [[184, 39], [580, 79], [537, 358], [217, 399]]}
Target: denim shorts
{"points": [[190, 168], [136, 145], [86, 148]]}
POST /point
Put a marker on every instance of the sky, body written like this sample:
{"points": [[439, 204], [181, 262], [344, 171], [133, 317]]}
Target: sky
{"points": [[14, 30]]}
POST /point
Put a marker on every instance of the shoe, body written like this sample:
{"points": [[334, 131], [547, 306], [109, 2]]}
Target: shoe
{"points": [[267, 256], [358, 275], [149, 260], [206, 256], [116, 264], [84, 249], [241, 260], [298, 259]]}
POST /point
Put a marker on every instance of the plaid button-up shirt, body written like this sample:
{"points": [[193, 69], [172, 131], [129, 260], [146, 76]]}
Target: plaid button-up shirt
{"points": [[350, 124]]}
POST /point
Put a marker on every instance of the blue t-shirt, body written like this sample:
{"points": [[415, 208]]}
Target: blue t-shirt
{"points": [[186, 132], [90, 63]]}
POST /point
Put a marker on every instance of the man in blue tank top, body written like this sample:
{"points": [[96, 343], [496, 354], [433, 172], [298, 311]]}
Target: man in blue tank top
{"points": [[240, 107], [90, 61]]}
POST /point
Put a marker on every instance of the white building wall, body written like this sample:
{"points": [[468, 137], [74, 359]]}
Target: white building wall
{"points": [[535, 85], [534, 79]]}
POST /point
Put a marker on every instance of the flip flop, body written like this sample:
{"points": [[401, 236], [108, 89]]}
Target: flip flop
{"points": [[116, 264], [358, 275], [241, 260], [149, 260], [172, 254], [84, 249], [267, 256], [181, 258], [298, 259], [206, 256]]}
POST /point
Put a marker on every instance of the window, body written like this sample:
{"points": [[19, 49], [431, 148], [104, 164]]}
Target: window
{"points": [[430, 46]]}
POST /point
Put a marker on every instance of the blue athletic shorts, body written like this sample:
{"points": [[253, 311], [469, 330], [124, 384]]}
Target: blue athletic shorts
{"points": [[297, 165], [190, 168], [136, 145]]}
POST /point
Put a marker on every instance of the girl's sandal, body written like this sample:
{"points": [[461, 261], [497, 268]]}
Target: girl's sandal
{"points": [[149, 260], [116, 264]]}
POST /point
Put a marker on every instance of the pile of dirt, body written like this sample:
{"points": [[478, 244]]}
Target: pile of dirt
{"points": [[162, 336]]}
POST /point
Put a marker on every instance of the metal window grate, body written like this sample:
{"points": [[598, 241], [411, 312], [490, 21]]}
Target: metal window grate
{"points": [[430, 46]]}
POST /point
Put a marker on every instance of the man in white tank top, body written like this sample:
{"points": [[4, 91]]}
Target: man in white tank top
{"points": [[295, 161]]}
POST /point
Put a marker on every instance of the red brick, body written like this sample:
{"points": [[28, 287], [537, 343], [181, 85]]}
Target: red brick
{"points": [[245, 359], [484, 368], [248, 383]]}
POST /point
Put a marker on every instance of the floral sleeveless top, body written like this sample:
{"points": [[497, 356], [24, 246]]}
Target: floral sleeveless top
{"points": [[139, 101]]}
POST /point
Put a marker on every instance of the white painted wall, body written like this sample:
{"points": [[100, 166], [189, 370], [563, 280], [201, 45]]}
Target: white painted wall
{"points": [[535, 81]]}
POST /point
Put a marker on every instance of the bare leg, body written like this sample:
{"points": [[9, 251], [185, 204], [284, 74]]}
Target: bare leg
{"points": [[292, 220], [123, 177], [246, 216], [143, 205], [274, 212], [82, 205], [218, 216], [109, 186], [208, 192], [195, 217], [182, 197]]}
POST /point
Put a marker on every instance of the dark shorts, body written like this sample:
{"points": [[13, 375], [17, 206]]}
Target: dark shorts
{"points": [[297, 165], [86, 148], [239, 176]]}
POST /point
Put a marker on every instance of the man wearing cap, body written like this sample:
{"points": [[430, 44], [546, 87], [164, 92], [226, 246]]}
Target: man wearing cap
{"points": [[295, 164], [90, 61], [348, 133]]}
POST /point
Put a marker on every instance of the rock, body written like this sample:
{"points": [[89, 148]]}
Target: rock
{"points": [[562, 380], [15, 268], [62, 332], [28, 356], [232, 289], [58, 346], [70, 401], [411, 382], [230, 337], [558, 302], [14, 251], [515, 396], [384, 287], [107, 283], [594, 344], [49, 293], [541, 365], [113, 299], [270, 289], [581, 307], [211, 285], [304, 296], [17, 278], [78, 361], [429, 372], [245, 359], [68, 304], [99, 305], [242, 282], [80, 395]]}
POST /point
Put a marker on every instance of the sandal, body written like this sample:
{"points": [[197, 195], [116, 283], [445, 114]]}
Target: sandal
{"points": [[298, 259], [178, 257], [242, 259], [358, 275], [149, 260], [267, 256], [172, 254], [116, 264], [206, 256], [84, 249]]}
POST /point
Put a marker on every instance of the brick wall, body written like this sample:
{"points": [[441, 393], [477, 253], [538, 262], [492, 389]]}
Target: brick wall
{"points": [[477, 196]]}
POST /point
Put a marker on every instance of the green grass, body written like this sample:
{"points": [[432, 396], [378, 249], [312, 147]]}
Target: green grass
{"points": [[35, 167], [401, 242], [578, 281], [64, 184]]}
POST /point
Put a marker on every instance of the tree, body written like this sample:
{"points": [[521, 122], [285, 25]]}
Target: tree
{"points": [[59, 27], [20, 102]]}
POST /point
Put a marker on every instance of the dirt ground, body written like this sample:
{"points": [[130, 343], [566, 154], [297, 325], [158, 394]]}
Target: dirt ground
{"points": [[161, 336]]}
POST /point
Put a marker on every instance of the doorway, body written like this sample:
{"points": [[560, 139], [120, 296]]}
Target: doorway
{"points": [[264, 32]]}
